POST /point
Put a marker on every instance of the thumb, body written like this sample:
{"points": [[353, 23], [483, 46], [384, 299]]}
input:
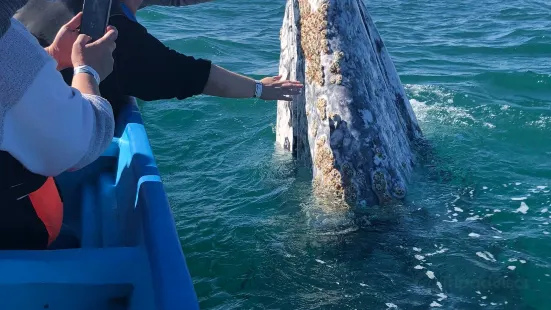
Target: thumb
{"points": [[82, 40], [74, 23]]}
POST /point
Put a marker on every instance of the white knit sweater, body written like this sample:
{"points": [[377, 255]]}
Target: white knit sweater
{"points": [[45, 124]]}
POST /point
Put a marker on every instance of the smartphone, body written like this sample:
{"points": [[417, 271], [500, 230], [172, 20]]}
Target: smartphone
{"points": [[95, 16]]}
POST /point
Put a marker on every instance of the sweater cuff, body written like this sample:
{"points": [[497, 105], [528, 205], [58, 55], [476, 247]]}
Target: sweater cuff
{"points": [[203, 73]]}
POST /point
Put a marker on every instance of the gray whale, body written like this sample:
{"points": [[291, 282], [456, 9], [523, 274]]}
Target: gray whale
{"points": [[353, 124]]}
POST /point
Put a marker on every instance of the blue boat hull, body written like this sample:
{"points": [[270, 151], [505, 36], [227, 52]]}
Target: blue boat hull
{"points": [[129, 254]]}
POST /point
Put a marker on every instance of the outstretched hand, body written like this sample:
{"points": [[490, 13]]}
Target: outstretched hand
{"points": [[273, 88], [62, 46]]}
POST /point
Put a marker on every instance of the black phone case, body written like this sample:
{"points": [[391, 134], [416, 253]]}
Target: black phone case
{"points": [[95, 16]]}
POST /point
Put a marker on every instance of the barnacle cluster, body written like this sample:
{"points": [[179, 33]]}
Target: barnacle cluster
{"points": [[322, 107], [313, 32], [329, 179]]}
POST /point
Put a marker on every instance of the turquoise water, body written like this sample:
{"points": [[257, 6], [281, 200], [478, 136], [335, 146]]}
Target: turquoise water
{"points": [[478, 74]]}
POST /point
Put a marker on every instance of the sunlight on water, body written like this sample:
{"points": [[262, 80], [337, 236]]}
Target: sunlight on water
{"points": [[474, 230]]}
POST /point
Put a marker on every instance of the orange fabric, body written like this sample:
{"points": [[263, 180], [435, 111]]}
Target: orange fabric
{"points": [[49, 208]]}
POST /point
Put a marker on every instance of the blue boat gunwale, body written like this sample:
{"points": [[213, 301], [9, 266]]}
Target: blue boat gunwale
{"points": [[171, 278]]}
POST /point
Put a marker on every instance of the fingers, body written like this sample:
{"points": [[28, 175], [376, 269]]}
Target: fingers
{"points": [[285, 98], [111, 33], [288, 84], [109, 28], [74, 23], [109, 37], [82, 40]]}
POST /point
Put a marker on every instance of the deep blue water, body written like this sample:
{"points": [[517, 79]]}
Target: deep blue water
{"points": [[478, 74]]}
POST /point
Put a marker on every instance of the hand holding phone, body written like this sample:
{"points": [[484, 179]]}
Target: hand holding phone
{"points": [[97, 54]]}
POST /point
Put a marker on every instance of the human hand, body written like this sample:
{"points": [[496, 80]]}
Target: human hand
{"points": [[62, 46], [98, 54], [275, 89]]}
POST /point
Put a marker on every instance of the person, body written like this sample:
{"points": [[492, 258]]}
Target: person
{"points": [[46, 126], [147, 69]]}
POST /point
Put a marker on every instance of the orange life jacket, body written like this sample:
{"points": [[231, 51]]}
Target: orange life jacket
{"points": [[31, 210]]}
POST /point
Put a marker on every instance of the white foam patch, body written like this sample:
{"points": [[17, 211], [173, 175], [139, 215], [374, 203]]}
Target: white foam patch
{"points": [[484, 187], [519, 198], [391, 305], [435, 304], [419, 267], [474, 235], [473, 218], [430, 274], [541, 187], [437, 252], [511, 267], [518, 183], [439, 286], [442, 296], [320, 261], [523, 208], [419, 257], [486, 255], [512, 260], [497, 210], [544, 210], [417, 249], [483, 297], [363, 284], [499, 231], [458, 209], [478, 292], [522, 261], [546, 233]]}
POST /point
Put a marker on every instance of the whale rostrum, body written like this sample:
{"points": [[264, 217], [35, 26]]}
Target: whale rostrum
{"points": [[353, 124]]}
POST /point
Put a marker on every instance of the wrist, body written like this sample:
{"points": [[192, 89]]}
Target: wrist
{"points": [[52, 51], [87, 70], [258, 86]]}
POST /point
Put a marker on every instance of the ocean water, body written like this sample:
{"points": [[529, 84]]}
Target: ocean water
{"points": [[478, 75]]}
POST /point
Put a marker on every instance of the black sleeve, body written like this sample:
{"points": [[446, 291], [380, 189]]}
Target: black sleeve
{"points": [[146, 69]]}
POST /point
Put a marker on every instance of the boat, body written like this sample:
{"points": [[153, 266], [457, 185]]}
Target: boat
{"points": [[128, 255]]}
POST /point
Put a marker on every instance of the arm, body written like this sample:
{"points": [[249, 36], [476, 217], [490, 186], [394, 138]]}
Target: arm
{"points": [[149, 70], [47, 125], [54, 128], [86, 84], [224, 83]]}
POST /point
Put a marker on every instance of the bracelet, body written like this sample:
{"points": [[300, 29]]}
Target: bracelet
{"points": [[258, 89], [88, 70]]}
